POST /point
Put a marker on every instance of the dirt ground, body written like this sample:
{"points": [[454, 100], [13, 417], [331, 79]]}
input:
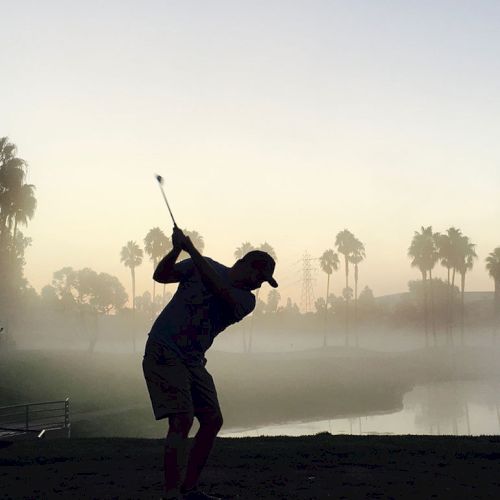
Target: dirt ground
{"points": [[308, 467]]}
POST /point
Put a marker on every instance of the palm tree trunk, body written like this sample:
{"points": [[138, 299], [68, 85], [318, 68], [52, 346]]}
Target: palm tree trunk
{"points": [[251, 322], [355, 322], [452, 305], [153, 307], [496, 313], [132, 269], [433, 318], [497, 297], [462, 308], [448, 308], [346, 301], [426, 318], [326, 309], [7, 230], [13, 249]]}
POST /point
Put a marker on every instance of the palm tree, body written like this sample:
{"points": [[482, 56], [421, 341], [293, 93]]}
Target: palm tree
{"points": [[24, 206], [345, 242], [443, 243], [465, 261], [155, 245], [493, 268], [266, 247], [240, 252], [273, 300], [131, 255], [433, 259], [248, 247], [7, 149], [329, 262], [449, 245], [12, 174], [455, 236], [424, 255], [243, 250], [355, 258], [197, 240]]}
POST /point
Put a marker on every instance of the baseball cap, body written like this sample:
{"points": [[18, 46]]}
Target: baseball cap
{"points": [[265, 263]]}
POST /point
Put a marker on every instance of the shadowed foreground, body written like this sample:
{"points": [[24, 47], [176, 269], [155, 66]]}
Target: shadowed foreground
{"points": [[321, 466]]}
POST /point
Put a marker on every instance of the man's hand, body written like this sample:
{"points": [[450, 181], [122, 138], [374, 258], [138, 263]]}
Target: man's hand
{"points": [[180, 241], [208, 274], [177, 238]]}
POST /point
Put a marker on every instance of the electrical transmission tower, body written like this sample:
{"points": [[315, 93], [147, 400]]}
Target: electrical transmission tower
{"points": [[307, 297]]}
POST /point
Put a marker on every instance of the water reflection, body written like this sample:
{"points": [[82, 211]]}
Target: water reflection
{"points": [[455, 408]]}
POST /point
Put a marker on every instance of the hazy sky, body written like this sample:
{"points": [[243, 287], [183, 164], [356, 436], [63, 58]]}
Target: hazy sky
{"points": [[277, 121]]}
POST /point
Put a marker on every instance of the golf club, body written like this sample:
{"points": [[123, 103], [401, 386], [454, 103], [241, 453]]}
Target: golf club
{"points": [[159, 178]]}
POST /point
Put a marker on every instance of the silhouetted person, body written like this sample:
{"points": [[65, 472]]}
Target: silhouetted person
{"points": [[209, 298]]}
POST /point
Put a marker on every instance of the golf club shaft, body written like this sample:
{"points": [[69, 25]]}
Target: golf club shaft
{"points": [[168, 206], [159, 178]]}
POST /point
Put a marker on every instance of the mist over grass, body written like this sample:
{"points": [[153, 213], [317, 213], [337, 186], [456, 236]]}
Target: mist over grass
{"points": [[287, 377]]}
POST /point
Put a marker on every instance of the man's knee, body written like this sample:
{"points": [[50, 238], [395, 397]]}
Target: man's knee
{"points": [[212, 420], [180, 424]]}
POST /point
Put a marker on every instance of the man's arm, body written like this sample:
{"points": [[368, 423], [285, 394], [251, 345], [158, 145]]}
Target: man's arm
{"points": [[208, 274], [165, 271]]}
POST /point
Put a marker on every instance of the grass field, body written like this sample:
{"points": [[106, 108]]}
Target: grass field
{"points": [[313, 467], [109, 398]]}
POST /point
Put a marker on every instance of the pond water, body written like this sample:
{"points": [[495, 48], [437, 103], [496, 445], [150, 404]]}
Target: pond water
{"points": [[448, 408]]}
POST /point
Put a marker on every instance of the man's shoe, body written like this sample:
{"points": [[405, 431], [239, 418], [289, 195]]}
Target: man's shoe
{"points": [[199, 495]]}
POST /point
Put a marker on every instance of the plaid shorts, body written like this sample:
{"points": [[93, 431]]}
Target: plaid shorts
{"points": [[175, 387]]}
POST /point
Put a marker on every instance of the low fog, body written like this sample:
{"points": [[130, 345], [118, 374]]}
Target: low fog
{"points": [[387, 370]]}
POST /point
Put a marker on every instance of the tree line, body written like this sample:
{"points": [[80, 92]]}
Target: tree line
{"points": [[353, 252], [17, 208], [101, 293], [457, 254], [453, 250]]}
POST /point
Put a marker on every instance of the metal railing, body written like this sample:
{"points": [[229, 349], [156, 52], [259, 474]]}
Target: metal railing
{"points": [[36, 418]]}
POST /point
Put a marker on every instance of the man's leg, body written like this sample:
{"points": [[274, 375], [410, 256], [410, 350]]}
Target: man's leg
{"points": [[210, 425], [176, 444]]}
